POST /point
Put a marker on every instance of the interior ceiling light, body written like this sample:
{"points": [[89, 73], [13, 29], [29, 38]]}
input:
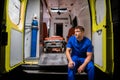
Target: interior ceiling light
{"points": [[59, 10]]}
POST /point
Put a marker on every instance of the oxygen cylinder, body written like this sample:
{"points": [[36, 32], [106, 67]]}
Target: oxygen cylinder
{"points": [[34, 36]]}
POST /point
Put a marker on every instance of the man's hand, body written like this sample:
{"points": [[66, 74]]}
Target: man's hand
{"points": [[71, 64], [81, 68]]}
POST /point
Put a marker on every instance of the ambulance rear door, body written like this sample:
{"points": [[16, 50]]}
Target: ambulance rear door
{"points": [[11, 54]]}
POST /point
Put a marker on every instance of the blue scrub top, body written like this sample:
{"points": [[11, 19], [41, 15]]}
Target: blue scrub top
{"points": [[79, 48]]}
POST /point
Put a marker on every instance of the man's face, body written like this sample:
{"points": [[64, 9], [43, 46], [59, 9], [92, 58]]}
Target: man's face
{"points": [[78, 33]]}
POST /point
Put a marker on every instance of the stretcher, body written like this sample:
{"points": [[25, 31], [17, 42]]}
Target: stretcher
{"points": [[54, 44]]}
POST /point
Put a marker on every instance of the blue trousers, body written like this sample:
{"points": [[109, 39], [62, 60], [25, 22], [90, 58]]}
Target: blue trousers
{"points": [[78, 61]]}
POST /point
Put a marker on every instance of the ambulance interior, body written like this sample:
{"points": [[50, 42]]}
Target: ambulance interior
{"points": [[56, 21]]}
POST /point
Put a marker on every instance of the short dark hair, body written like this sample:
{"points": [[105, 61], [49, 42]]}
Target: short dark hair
{"points": [[80, 27]]}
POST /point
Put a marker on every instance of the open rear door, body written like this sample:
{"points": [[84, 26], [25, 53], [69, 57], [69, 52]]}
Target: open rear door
{"points": [[11, 54], [98, 12]]}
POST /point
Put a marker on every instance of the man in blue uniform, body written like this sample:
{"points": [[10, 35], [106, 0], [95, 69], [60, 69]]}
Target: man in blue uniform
{"points": [[79, 51]]}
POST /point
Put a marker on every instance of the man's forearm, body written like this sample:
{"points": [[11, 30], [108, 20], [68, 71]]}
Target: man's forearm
{"points": [[68, 55], [88, 59]]}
